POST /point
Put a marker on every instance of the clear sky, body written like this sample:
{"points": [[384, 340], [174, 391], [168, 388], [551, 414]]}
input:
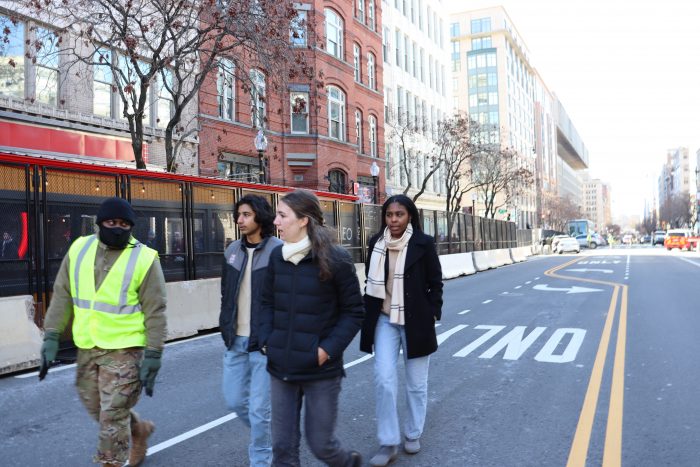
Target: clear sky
{"points": [[628, 75]]}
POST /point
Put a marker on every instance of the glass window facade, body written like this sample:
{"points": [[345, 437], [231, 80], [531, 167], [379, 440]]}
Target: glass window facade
{"points": [[102, 84], [46, 71]]}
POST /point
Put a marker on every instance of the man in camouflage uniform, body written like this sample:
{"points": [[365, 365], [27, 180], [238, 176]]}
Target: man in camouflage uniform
{"points": [[115, 291]]}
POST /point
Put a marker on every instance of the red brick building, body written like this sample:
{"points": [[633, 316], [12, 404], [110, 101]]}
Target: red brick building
{"points": [[335, 132]]}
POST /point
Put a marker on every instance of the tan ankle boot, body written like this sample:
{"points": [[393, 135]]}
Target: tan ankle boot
{"points": [[139, 442]]}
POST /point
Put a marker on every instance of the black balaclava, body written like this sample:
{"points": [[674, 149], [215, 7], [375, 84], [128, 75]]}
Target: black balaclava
{"points": [[115, 237], [115, 208]]}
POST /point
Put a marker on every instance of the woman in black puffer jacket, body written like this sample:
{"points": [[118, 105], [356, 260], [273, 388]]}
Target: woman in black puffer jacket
{"points": [[311, 310]]}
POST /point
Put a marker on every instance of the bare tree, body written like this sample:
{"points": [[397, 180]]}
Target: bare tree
{"points": [[676, 211], [459, 139], [174, 45], [614, 229], [418, 156], [499, 171], [558, 210], [649, 223]]}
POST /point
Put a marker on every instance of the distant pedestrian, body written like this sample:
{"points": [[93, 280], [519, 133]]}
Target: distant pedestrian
{"points": [[403, 299], [9, 247], [113, 288], [312, 308], [246, 383]]}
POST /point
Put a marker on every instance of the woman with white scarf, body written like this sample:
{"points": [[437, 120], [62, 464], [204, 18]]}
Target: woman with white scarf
{"points": [[311, 310], [403, 299]]}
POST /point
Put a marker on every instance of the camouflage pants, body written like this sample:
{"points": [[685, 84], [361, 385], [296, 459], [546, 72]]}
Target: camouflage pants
{"points": [[108, 385]]}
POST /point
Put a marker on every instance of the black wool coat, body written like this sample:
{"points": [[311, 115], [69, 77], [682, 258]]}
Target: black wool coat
{"points": [[301, 313], [422, 297]]}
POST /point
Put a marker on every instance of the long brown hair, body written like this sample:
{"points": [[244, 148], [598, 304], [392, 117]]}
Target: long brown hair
{"points": [[305, 204]]}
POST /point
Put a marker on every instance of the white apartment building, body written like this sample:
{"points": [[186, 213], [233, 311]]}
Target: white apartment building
{"points": [[596, 202], [495, 83], [546, 179], [415, 93]]}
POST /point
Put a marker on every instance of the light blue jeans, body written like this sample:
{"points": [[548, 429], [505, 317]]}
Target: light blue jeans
{"points": [[388, 339], [246, 387]]}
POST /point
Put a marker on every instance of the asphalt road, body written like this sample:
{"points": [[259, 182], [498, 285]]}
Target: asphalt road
{"points": [[583, 359]]}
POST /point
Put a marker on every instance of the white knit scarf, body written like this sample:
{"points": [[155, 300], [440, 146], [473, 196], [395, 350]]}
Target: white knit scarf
{"points": [[295, 252], [375, 278]]}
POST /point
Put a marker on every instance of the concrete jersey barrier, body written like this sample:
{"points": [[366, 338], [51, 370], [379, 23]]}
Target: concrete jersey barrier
{"points": [[457, 264], [20, 338], [192, 306], [482, 260], [501, 257]]}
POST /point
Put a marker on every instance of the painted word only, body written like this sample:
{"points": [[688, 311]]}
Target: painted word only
{"points": [[561, 347]]}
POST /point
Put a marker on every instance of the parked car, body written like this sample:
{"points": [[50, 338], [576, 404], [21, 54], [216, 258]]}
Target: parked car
{"points": [[646, 238], [555, 241], [600, 239], [677, 238], [596, 241], [627, 239], [659, 237], [568, 244]]}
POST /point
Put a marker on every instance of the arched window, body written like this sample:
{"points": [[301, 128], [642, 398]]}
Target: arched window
{"points": [[370, 15], [334, 33], [337, 181], [336, 113], [361, 10], [257, 98], [226, 90], [357, 62], [358, 130], [372, 136], [371, 76]]}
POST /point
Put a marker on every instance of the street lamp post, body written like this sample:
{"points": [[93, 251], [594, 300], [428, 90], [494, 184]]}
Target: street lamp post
{"points": [[374, 171], [261, 145]]}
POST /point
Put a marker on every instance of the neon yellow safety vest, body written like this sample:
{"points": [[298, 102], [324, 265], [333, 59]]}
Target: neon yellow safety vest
{"points": [[111, 317]]}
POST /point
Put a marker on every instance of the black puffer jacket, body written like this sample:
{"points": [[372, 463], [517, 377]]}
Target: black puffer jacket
{"points": [[422, 285], [301, 313]]}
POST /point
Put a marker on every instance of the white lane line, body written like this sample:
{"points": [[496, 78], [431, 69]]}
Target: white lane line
{"points": [[486, 301], [527, 282], [464, 312], [184, 341], [52, 370], [72, 365], [537, 278], [219, 421], [358, 361], [689, 261], [190, 434], [504, 293], [443, 336], [517, 286]]}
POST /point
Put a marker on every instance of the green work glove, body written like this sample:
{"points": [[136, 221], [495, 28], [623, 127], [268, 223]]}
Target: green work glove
{"points": [[49, 349], [149, 369]]}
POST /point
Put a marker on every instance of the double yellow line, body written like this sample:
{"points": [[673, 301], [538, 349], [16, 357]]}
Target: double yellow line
{"points": [[612, 451]]}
